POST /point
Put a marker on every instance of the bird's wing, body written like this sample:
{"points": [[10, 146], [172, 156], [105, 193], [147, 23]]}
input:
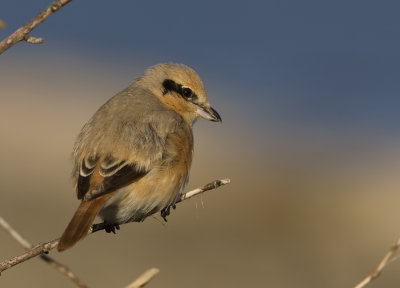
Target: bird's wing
{"points": [[107, 177], [129, 156], [115, 161]]}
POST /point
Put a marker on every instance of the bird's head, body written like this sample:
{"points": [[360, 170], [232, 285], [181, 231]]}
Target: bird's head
{"points": [[180, 89]]}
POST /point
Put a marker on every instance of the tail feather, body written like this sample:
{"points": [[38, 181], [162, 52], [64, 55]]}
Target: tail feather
{"points": [[81, 222]]}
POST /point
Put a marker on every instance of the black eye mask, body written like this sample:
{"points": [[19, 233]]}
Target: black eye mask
{"points": [[187, 93]]}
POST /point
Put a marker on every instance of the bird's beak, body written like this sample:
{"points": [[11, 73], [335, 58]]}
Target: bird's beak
{"points": [[208, 113]]}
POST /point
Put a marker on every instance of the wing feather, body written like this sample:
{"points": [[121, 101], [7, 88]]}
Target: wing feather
{"points": [[123, 177], [124, 149]]}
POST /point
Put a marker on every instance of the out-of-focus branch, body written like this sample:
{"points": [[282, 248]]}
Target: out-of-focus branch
{"points": [[144, 278], [378, 270], [141, 281], [22, 33], [57, 265], [14, 234], [2, 24], [44, 248]]}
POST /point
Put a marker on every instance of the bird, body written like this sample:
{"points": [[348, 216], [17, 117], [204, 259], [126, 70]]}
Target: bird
{"points": [[132, 158]]}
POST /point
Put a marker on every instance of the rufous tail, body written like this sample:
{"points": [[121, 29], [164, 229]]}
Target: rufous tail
{"points": [[81, 222]]}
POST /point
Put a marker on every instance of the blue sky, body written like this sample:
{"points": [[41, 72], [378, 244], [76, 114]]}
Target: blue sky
{"points": [[327, 62]]}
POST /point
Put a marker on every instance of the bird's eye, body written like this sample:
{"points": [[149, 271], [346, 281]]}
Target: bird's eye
{"points": [[186, 92]]}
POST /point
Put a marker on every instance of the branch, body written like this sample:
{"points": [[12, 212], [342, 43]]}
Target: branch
{"points": [[57, 265], [209, 186], [22, 33], [14, 234], [144, 278], [141, 281], [378, 270], [46, 247], [212, 185]]}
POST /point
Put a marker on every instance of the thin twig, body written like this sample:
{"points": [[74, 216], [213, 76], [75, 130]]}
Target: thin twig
{"points": [[22, 33], [209, 186], [45, 247], [64, 270], [33, 252], [378, 270], [144, 278], [57, 265], [14, 234]]}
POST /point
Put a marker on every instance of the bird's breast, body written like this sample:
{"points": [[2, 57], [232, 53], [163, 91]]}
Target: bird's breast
{"points": [[160, 188]]}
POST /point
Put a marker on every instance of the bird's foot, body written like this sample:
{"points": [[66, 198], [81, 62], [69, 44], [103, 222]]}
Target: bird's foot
{"points": [[111, 228], [166, 211]]}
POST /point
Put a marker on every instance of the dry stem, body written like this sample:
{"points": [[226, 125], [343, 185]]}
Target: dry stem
{"points": [[378, 270], [22, 33], [144, 278], [57, 265]]}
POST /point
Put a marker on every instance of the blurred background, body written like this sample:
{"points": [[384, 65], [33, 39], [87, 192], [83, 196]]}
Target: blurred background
{"points": [[309, 96]]}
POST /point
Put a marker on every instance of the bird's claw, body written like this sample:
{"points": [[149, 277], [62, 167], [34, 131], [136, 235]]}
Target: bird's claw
{"points": [[111, 228]]}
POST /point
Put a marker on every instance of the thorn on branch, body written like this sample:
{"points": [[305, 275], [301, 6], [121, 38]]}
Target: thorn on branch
{"points": [[33, 40]]}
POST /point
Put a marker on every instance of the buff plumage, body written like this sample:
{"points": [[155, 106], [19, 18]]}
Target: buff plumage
{"points": [[135, 153]]}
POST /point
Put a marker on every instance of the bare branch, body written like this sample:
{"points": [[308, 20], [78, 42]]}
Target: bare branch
{"points": [[204, 188], [46, 247], [57, 265], [64, 270], [378, 270], [212, 185], [144, 278], [22, 33], [33, 252], [7, 227]]}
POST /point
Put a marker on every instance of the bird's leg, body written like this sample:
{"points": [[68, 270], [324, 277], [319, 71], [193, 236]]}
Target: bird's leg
{"points": [[111, 228], [165, 212]]}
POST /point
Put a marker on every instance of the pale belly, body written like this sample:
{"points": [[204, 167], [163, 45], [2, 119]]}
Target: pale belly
{"points": [[155, 191]]}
